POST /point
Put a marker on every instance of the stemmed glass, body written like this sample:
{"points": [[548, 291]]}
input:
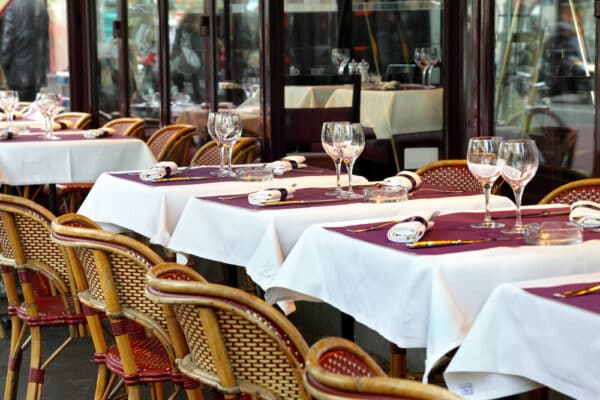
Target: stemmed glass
{"points": [[9, 101], [228, 129], [327, 141], [422, 60], [349, 142], [49, 106], [434, 58], [518, 160], [340, 57], [210, 128], [482, 160]]}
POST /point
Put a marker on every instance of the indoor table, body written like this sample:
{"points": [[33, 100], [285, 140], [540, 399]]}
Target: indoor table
{"points": [[425, 298], [525, 337]]}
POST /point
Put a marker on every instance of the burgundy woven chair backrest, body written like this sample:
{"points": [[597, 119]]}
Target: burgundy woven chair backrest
{"points": [[453, 176], [126, 126], [208, 154], [591, 193]]}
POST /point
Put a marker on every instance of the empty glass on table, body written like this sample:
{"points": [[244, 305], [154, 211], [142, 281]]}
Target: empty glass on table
{"points": [[49, 105], [422, 60], [228, 129], [9, 101], [327, 141], [349, 142], [482, 160], [435, 55], [340, 57], [518, 160]]}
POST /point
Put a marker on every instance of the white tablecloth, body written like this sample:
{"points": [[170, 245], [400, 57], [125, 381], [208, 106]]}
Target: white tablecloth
{"points": [[414, 300], [391, 112], [154, 211], [308, 96], [259, 240], [66, 161], [520, 339]]}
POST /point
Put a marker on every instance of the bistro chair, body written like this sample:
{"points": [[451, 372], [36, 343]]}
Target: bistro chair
{"points": [[47, 284], [78, 120], [171, 143], [453, 174], [569, 193], [338, 369], [244, 151], [238, 343], [115, 267], [133, 127]]}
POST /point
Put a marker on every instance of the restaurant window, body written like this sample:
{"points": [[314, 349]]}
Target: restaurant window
{"points": [[34, 56], [544, 83]]}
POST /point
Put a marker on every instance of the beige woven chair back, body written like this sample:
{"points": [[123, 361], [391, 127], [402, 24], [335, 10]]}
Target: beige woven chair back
{"points": [[171, 143], [337, 369], [78, 120], [237, 341], [569, 193], [452, 174], [128, 127]]}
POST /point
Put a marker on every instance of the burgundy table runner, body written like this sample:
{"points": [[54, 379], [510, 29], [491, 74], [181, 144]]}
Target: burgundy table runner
{"points": [[207, 172], [590, 302], [457, 226], [65, 137]]}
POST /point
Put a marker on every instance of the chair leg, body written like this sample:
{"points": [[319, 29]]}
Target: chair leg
{"points": [[18, 329], [397, 361], [36, 373], [133, 392]]}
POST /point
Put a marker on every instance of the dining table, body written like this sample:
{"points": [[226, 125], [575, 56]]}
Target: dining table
{"points": [[525, 337], [258, 238], [159, 205], [422, 297]]}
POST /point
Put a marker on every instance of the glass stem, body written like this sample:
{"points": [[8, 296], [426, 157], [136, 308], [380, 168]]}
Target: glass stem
{"points": [[229, 155], [487, 191], [338, 173], [221, 156], [10, 116], [429, 76], [518, 192], [349, 168], [424, 76]]}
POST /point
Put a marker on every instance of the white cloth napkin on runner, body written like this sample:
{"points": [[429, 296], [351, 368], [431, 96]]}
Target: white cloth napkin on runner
{"points": [[585, 213], [412, 228], [272, 194], [163, 169], [408, 179], [287, 164]]}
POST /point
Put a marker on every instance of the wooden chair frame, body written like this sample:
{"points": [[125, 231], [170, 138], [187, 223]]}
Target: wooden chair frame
{"points": [[357, 376], [133, 127], [80, 120], [171, 143]]}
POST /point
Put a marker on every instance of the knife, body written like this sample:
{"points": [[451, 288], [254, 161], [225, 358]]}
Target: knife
{"points": [[580, 292], [453, 242], [286, 202]]}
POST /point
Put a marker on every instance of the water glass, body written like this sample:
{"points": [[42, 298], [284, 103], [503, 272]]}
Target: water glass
{"points": [[9, 101], [340, 57], [228, 129], [435, 55], [349, 142], [422, 60], [327, 141], [482, 160], [49, 105], [518, 160]]}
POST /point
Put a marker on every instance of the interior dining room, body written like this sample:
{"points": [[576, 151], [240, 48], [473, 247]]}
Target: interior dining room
{"points": [[299, 199]]}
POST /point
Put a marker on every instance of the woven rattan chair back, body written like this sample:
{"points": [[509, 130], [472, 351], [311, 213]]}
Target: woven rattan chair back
{"points": [[78, 120], [237, 342], [133, 127], [171, 143], [569, 193], [452, 174], [23, 106], [338, 369], [244, 150]]}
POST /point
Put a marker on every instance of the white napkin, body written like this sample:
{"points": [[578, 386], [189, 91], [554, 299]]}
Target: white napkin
{"points": [[98, 133], [408, 179], [585, 213], [163, 169], [287, 164], [412, 228], [272, 194]]}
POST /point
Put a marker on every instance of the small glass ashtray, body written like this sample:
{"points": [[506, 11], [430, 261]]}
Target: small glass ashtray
{"points": [[553, 233], [254, 174], [385, 194]]}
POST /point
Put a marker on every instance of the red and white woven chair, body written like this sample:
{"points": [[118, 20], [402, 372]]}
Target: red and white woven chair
{"points": [[569, 193], [453, 174], [337, 369], [238, 343]]}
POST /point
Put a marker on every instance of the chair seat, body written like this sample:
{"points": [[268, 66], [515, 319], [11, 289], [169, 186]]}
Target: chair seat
{"points": [[150, 357], [66, 188], [51, 311]]}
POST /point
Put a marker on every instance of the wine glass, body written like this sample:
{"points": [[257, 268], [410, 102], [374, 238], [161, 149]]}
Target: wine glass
{"points": [[327, 141], [49, 106], [434, 58], [210, 128], [349, 141], [518, 160], [482, 160], [9, 101], [422, 60], [228, 129], [340, 57]]}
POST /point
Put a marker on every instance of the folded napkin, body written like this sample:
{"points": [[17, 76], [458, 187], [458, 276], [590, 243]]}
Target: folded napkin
{"points": [[16, 115], [412, 228], [391, 85], [272, 194], [287, 164], [408, 179], [585, 213], [98, 133], [163, 169]]}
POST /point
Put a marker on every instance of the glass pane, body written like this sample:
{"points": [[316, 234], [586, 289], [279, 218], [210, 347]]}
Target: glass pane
{"points": [[545, 52], [33, 54], [108, 57]]}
